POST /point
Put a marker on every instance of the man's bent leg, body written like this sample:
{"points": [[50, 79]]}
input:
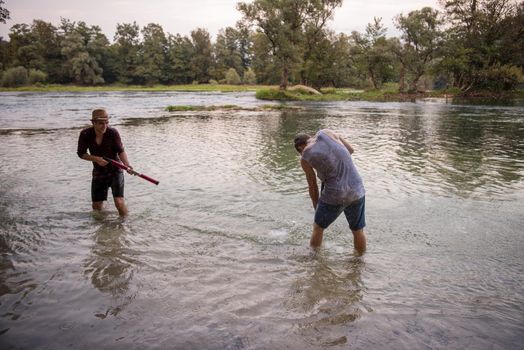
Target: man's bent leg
{"points": [[325, 214], [120, 205], [316, 236], [359, 241], [356, 216]]}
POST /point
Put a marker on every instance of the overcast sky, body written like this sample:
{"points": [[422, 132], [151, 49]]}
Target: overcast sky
{"points": [[183, 16]]}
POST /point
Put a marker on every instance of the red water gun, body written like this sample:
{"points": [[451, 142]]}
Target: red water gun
{"points": [[131, 171]]}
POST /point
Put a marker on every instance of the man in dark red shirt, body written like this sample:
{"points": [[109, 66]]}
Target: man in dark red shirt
{"points": [[103, 141]]}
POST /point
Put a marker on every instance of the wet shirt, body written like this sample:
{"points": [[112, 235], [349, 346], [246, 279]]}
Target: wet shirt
{"points": [[111, 147], [334, 165]]}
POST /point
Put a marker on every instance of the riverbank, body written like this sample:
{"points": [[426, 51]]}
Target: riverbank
{"points": [[382, 95], [272, 93], [187, 87]]}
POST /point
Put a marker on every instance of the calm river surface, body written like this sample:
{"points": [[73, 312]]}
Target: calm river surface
{"points": [[217, 257]]}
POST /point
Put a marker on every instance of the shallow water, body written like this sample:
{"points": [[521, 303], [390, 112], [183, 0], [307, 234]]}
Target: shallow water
{"points": [[216, 256]]}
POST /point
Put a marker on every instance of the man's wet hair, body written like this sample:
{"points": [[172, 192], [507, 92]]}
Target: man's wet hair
{"points": [[301, 140]]}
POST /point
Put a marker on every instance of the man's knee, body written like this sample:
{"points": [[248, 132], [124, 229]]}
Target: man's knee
{"points": [[359, 239], [316, 236], [120, 204], [358, 232]]}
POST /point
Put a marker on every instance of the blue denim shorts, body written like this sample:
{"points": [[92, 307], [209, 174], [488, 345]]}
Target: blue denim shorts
{"points": [[100, 186], [326, 214]]}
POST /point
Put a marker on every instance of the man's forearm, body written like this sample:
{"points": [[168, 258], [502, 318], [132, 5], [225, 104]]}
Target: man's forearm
{"points": [[91, 158], [347, 145], [123, 158], [313, 194]]}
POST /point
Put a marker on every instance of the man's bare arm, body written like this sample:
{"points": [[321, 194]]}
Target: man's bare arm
{"points": [[99, 160], [124, 159], [347, 145], [311, 182]]}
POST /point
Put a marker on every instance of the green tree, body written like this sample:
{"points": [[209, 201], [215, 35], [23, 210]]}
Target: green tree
{"points": [[35, 47], [249, 77], [20, 38], [4, 54], [319, 62], [284, 24], [4, 13], [83, 48], [127, 46], [180, 52], [14, 77], [512, 40], [484, 36], [153, 55], [244, 44], [83, 68], [315, 32], [331, 63], [36, 76], [264, 62], [227, 53], [373, 54], [232, 77], [202, 60], [343, 68], [47, 44], [453, 66], [421, 39]]}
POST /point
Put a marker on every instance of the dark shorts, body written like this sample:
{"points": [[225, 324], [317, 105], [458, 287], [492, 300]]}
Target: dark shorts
{"points": [[100, 186], [355, 214]]}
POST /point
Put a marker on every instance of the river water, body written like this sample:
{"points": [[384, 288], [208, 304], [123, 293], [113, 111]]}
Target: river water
{"points": [[217, 257]]}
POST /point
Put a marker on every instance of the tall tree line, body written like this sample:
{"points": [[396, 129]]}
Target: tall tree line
{"points": [[468, 45]]}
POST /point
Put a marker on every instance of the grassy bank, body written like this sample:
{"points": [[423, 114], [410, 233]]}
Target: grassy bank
{"points": [[331, 94], [387, 94], [271, 93], [188, 87]]}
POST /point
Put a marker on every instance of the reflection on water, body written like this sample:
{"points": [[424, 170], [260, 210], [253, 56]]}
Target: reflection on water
{"points": [[213, 257], [110, 266], [480, 151], [19, 238], [329, 297]]}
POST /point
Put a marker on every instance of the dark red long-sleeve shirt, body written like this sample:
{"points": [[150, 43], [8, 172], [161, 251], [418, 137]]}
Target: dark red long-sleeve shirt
{"points": [[111, 147]]}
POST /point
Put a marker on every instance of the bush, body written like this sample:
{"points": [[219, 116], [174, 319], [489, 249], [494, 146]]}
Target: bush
{"points": [[390, 87], [276, 94], [232, 77], [37, 76], [328, 90], [213, 82], [14, 77], [249, 77], [499, 78]]}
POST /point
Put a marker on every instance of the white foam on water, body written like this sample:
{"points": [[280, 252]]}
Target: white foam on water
{"points": [[278, 233]]}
